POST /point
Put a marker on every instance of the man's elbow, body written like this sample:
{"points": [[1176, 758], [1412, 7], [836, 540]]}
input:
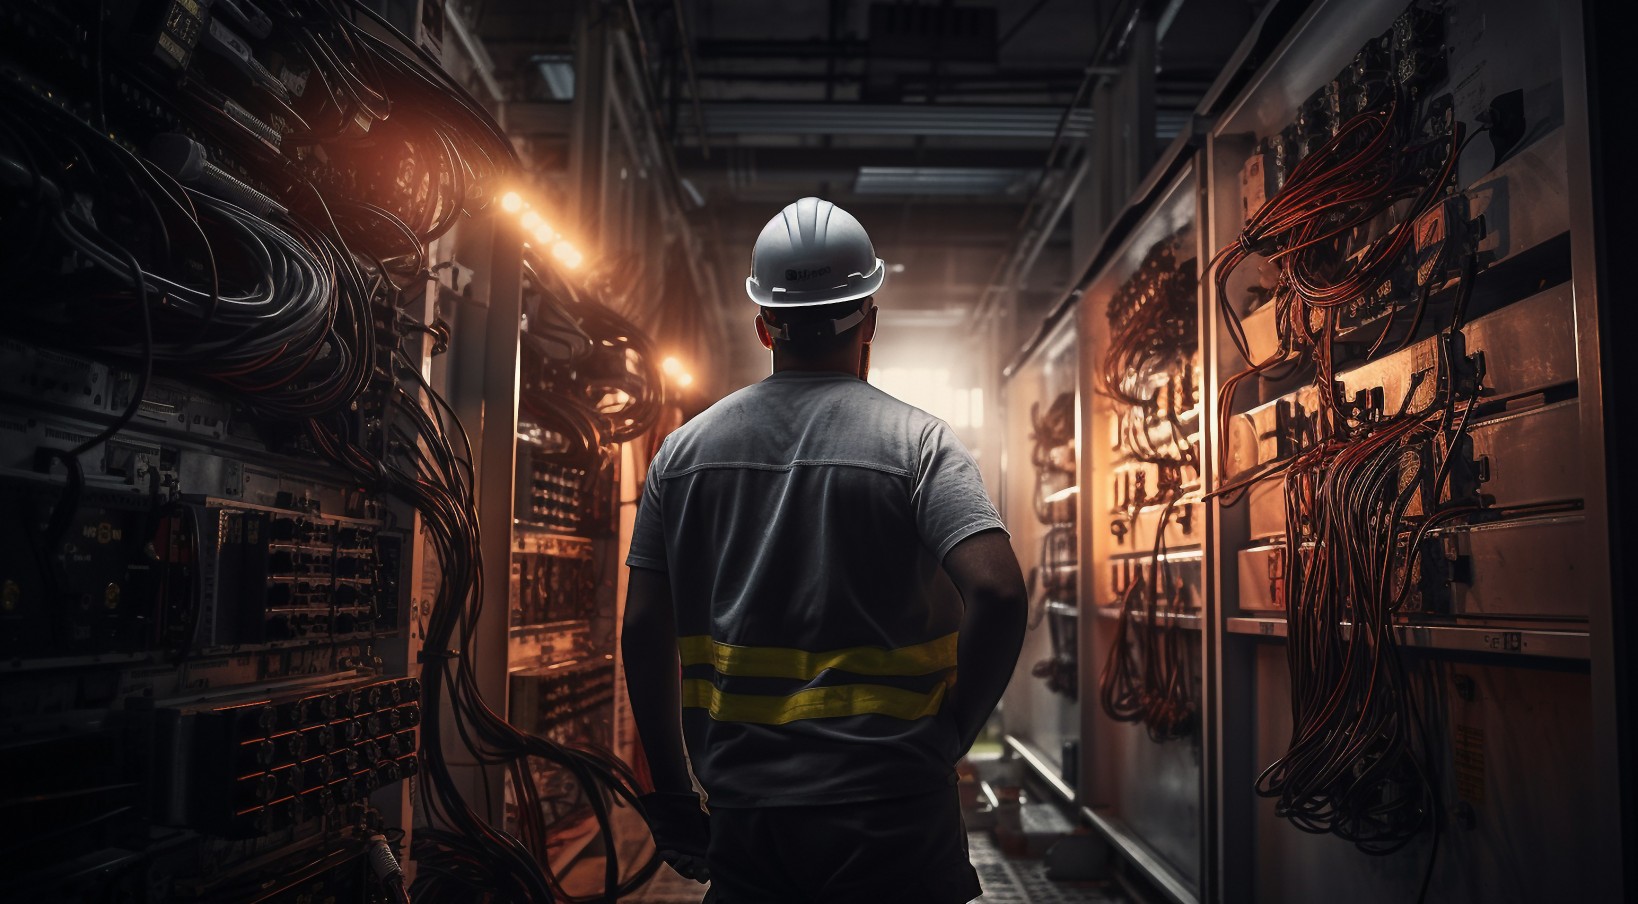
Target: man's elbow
{"points": [[986, 572], [1001, 599]]}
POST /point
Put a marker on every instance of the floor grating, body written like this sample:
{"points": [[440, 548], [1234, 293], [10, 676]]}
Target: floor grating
{"points": [[1005, 881]]}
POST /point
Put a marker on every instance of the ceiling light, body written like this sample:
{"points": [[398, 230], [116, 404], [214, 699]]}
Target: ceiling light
{"points": [[566, 255], [511, 202]]}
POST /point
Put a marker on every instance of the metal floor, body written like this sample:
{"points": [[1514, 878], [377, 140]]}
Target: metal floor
{"points": [[1005, 880]]}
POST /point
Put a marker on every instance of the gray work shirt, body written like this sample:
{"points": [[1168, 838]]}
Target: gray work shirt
{"points": [[802, 522]]}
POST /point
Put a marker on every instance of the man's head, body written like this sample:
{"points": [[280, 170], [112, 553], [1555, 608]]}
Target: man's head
{"points": [[814, 273]]}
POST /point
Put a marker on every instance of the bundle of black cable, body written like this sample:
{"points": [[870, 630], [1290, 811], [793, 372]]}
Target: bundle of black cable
{"points": [[1052, 455], [278, 273], [461, 856], [1148, 675], [1151, 326], [1358, 763], [590, 376]]}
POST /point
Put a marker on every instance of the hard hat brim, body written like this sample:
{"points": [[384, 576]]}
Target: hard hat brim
{"points": [[855, 288]]}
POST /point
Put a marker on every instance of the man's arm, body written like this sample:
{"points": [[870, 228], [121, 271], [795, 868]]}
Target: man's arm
{"points": [[649, 643], [992, 630]]}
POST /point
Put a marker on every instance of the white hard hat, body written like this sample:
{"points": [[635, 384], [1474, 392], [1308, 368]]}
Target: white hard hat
{"points": [[813, 253]]}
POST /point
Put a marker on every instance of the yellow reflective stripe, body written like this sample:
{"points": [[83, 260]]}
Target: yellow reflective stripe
{"points": [[788, 662], [812, 703]]}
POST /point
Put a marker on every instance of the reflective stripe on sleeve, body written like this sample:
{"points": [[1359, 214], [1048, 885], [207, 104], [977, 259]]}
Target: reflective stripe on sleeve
{"points": [[788, 662], [812, 703]]}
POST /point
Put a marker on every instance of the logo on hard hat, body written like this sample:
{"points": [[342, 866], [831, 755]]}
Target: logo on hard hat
{"points": [[802, 275]]}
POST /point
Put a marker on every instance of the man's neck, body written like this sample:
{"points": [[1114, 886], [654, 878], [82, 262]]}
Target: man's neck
{"points": [[845, 363]]}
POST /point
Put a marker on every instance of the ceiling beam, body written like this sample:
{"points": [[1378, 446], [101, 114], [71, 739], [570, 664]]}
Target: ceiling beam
{"points": [[819, 118], [910, 224], [765, 159], [781, 50]]}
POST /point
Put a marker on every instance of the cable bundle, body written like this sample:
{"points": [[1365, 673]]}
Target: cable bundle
{"points": [[275, 312], [428, 152], [1148, 675], [590, 376], [465, 855], [1375, 160], [1150, 319], [1357, 764], [282, 282]]}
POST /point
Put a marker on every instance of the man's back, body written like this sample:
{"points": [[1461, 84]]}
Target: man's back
{"points": [[802, 521], [823, 561]]}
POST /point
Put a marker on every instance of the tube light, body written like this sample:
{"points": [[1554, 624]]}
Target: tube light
{"points": [[567, 255]]}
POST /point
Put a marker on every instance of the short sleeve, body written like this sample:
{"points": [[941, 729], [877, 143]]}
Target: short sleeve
{"points": [[648, 535], [949, 498]]}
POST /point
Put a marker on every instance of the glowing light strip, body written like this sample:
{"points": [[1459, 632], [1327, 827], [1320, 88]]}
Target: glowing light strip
{"points": [[540, 231]]}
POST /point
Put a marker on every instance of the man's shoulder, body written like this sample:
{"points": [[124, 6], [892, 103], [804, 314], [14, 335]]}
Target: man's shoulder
{"points": [[728, 408]]}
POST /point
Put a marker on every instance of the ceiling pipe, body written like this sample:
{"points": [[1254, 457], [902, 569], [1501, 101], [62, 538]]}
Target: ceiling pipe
{"points": [[693, 82], [1121, 25], [482, 65]]}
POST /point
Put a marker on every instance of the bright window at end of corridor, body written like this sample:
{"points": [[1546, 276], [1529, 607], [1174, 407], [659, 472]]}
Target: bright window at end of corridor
{"points": [[929, 389]]}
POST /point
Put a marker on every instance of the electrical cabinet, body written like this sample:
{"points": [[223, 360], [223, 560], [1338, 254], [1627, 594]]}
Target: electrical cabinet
{"points": [[1492, 556], [271, 532], [1043, 444], [1343, 523], [1141, 398]]}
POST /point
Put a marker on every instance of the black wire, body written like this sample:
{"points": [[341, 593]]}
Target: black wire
{"points": [[299, 317]]}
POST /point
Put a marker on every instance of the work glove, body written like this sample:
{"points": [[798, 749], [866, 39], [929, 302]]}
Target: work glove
{"points": [[681, 831]]}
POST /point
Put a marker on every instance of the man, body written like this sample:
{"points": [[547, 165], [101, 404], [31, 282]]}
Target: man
{"points": [[824, 560]]}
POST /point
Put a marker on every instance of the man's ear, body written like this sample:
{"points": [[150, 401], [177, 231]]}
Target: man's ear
{"points": [[762, 333], [870, 324]]}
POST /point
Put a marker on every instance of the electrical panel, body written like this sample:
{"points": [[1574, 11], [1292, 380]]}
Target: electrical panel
{"points": [[571, 702], [1149, 379], [1142, 407], [1040, 505], [562, 630], [219, 442], [1341, 472], [589, 382], [556, 580], [1395, 492], [257, 763]]}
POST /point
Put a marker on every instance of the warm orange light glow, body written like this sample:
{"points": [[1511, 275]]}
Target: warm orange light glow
{"points": [[671, 366], [541, 233], [685, 379], [567, 255]]}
